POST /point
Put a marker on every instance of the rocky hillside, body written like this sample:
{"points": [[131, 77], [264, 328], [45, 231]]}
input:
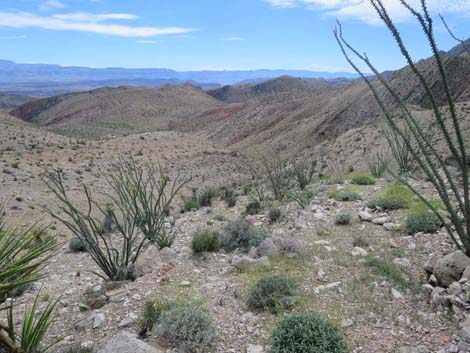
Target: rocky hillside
{"points": [[118, 110], [10, 101]]}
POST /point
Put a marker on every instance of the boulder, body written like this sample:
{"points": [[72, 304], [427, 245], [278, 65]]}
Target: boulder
{"points": [[450, 268], [247, 264], [365, 216], [358, 251], [126, 343]]}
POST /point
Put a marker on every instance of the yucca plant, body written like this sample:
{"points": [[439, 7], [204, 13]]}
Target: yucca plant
{"points": [[419, 141], [34, 327], [21, 259]]}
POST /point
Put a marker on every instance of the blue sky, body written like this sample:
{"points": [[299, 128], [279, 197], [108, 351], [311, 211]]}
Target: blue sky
{"points": [[211, 34]]}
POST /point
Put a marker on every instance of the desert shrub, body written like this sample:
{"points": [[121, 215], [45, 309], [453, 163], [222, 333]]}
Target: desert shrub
{"points": [[190, 204], [273, 293], [230, 197], [347, 196], [150, 315], [241, 235], [190, 328], [165, 237], [254, 207], [307, 334], [387, 270], [76, 245], [302, 198], [377, 164], [304, 172], [388, 203], [343, 218], [205, 241], [360, 242], [362, 179], [274, 214], [423, 221], [290, 246], [206, 197]]}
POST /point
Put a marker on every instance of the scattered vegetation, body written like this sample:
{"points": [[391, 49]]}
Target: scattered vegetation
{"points": [[190, 204], [277, 175], [274, 214], [76, 245], [343, 218], [395, 196], [206, 240], [360, 242], [302, 198], [307, 334], [241, 235], [346, 195], [254, 207], [304, 172], [386, 269], [362, 179], [423, 221], [274, 293]]}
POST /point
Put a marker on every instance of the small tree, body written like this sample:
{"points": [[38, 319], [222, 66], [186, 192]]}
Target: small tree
{"points": [[419, 142], [277, 175]]}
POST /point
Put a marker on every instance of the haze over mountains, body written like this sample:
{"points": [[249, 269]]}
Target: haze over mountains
{"points": [[42, 79]]}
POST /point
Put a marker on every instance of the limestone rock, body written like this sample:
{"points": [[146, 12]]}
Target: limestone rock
{"points": [[450, 268]]}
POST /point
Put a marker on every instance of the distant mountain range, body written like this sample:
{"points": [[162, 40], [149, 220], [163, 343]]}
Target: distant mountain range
{"points": [[45, 79]]}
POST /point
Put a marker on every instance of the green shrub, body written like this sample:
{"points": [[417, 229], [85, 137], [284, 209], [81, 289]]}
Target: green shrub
{"points": [[205, 199], [274, 214], [389, 203], [254, 207], [343, 218], [151, 315], [274, 293], [307, 334], [423, 221], [360, 242], [377, 164], [386, 269], [76, 245], [241, 235], [205, 241], [362, 179], [230, 197], [191, 329], [191, 204], [347, 196]]}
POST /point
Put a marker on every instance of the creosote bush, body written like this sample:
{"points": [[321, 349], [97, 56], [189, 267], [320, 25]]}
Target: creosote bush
{"points": [[274, 293], [307, 334], [362, 179], [343, 218], [241, 235], [422, 221], [347, 196], [206, 240]]}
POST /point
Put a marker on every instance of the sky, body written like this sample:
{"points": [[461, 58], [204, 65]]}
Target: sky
{"points": [[213, 34]]}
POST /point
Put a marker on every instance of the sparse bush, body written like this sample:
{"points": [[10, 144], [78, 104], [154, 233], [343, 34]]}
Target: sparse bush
{"points": [[423, 221], [274, 214], [191, 329], [304, 172], [302, 198], [76, 245], [377, 165], [360, 242], [230, 197], [343, 218], [388, 203], [165, 237], [347, 196], [386, 269], [205, 241], [274, 293], [150, 315], [205, 199], [307, 334], [241, 235], [254, 207], [190, 204], [362, 179]]}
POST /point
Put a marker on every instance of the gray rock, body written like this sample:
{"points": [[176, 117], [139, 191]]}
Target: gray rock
{"points": [[392, 227], [365, 216], [358, 251], [250, 265], [464, 334], [396, 294], [128, 321], [402, 262], [99, 320], [126, 343], [429, 265], [466, 273], [381, 220], [267, 248], [410, 349], [167, 254], [450, 268]]}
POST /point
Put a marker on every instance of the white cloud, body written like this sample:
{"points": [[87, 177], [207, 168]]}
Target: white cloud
{"points": [[232, 39], [83, 22], [52, 5], [362, 9]]}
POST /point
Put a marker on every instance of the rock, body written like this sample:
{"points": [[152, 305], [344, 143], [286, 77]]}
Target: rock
{"points": [[464, 334], [85, 323], [402, 262], [396, 294], [128, 321], [365, 216], [267, 248], [125, 343], [347, 323], [466, 273], [438, 298], [94, 303], [455, 289], [410, 349], [332, 285], [250, 265], [392, 227], [450, 268], [358, 251], [167, 254], [429, 265], [381, 220], [251, 348], [98, 320], [185, 284]]}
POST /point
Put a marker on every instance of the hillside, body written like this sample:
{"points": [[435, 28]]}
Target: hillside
{"points": [[10, 101], [118, 110]]}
